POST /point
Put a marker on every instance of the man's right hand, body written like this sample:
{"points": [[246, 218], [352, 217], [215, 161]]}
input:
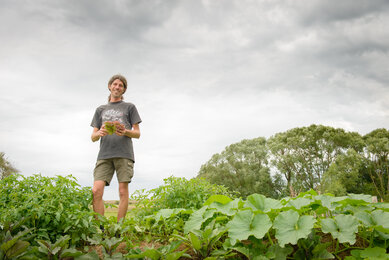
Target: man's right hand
{"points": [[102, 131], [97, 133]]}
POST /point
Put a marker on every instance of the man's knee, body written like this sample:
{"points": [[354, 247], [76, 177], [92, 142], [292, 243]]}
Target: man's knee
{"points": [[123, 191], [98, 191]]}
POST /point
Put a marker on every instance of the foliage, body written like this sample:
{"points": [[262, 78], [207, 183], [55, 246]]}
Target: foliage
{"points": [[309, 226], [317, 157], [377, 152], [303, 155], [168, 252], [290, 227], [348, 175], [204, 242], [245, 224], [52, 206], [13, 245], [51, 218], [263, 226], [242, 167], [108, 244], [179, 193], [376, 253], [6, 167], [58, 250]]}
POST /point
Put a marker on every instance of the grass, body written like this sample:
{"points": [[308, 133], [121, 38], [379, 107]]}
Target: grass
{"points": [[112, 206], [110, 214]]}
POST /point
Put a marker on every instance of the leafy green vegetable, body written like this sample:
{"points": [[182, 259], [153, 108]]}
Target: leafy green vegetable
{"points": [[246, 223], [110, 127], [291, 227], [342, 227], [260, 202]]}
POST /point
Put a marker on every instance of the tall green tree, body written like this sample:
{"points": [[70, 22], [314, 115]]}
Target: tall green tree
{"points": [[6, 167], [242, 167], [348, 174], [302, 155], [377, 153]]}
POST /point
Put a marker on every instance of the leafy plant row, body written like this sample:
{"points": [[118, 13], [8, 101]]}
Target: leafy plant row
{"points": [[51, 218], [309, 226]]}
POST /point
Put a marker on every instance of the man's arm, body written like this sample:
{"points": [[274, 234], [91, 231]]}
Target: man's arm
{"points": [[97, 133], [132, 133]]}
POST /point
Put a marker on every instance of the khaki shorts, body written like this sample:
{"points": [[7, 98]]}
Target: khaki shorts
{"points": [[105, 169]]}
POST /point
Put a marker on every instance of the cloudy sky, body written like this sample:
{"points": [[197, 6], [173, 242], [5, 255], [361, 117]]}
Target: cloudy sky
{"points": [[203, 75]]}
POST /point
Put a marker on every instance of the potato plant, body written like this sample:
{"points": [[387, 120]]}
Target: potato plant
{"points": [[51, 207]]}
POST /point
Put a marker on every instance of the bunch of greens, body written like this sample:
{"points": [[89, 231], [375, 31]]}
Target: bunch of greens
{"points": [[111, 127]]}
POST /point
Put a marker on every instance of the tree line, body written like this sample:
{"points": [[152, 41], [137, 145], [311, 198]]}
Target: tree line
{"points": [[323, 158]]}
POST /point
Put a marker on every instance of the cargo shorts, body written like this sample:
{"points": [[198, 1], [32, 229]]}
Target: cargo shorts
{"points": [[105, 169]]}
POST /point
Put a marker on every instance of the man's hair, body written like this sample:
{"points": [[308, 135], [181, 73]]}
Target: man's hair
{"points": [[119, 77]]}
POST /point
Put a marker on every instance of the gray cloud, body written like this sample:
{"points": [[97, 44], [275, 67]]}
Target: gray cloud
{"points": [[324, 12], [203, 74]]}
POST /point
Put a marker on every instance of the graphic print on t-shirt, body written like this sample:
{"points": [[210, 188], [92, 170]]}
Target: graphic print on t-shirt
{"points": [[112, 115]]}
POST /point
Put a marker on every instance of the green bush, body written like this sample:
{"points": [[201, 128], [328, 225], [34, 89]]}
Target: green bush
{"points": [[52, 206], [180, 193]]}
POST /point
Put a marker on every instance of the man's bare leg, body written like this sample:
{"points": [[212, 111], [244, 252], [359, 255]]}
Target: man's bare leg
{"points": [[98, 191], [123, 204]]}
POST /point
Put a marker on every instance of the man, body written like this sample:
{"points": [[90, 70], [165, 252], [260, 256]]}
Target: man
{"points": [[114, 124]]}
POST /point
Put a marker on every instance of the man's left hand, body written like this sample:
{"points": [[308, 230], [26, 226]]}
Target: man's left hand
{"points": [[120, 129]]}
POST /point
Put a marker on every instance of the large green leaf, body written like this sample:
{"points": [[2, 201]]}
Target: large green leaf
{"points": [[327, 201], [360, 197], [217, 198], [342, 227], [320, 251], [381, 218], [380, 221], [260, 202], [167, 213], [152, 254], [228, 208], [18, 248], [298, 203], [11, 241], [278, 252], [373, 253], [89, 256], [365, 218], [290, 227], [245, 223], [174, 255], [195, 241], [381, 205], [198, 218], [71, 252]]}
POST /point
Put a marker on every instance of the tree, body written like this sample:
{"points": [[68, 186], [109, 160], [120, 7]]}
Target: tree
{"points": [[242, 167], [377, 153], [6, 168], [348, 175], [302, 155]]}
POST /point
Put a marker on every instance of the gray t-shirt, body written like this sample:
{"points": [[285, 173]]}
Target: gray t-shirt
{"points": [[114, 146]]}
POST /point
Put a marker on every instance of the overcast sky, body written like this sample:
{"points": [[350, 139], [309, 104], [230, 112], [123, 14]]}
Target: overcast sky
{"points": [[203, 75]]}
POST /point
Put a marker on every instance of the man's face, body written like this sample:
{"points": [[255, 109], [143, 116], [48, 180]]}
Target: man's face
{"points": [[117, 88]]}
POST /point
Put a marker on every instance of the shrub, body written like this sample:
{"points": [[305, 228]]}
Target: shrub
{"points": [[180, 193], [52, 206]]}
